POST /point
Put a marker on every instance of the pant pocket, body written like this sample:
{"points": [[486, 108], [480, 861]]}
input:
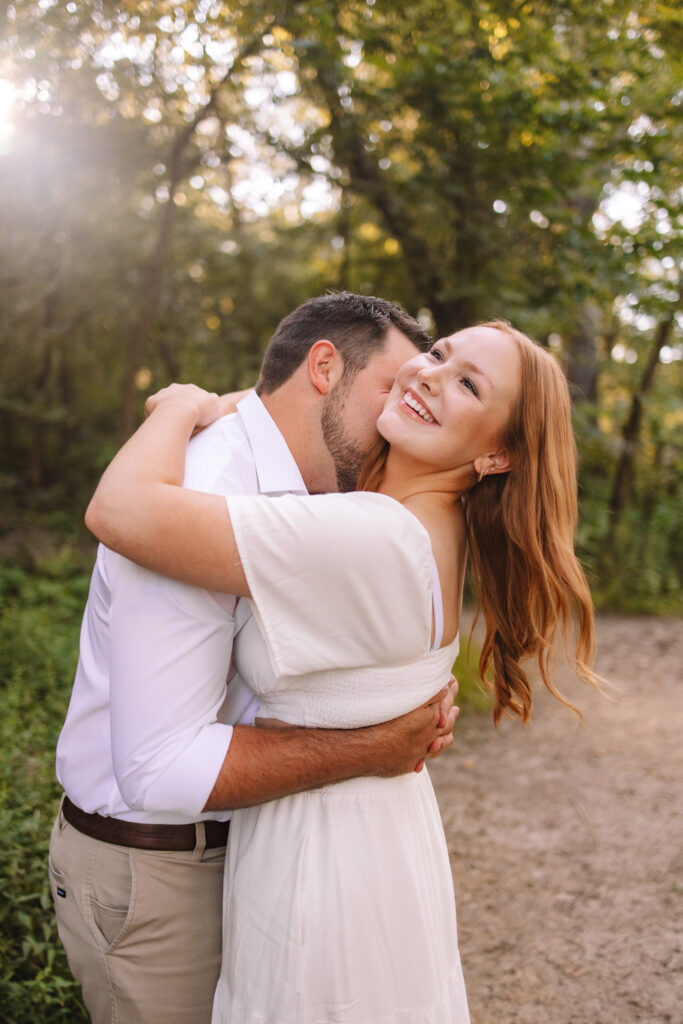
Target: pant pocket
{"points": [[112, 895], [58, 877], [109, 921]]}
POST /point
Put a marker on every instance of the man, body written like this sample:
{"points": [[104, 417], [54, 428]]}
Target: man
{"points": [[154, 749]]}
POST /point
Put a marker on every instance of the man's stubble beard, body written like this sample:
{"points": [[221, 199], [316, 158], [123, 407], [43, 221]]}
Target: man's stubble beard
{"points": [[345, 453]]}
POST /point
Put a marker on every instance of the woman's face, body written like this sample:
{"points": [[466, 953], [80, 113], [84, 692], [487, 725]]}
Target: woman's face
{"points": [[450, 406]]}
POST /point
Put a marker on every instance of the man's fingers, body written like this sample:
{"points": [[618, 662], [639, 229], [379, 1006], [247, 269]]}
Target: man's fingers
{"points": [[438, 697], [445, 708], [449, 718], [424, 732], [437, 747], [445, 737]]}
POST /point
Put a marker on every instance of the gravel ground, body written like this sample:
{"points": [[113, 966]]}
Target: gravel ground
{"points": [[567, 844]]}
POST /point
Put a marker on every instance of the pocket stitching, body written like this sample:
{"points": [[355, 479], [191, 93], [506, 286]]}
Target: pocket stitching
{"points": [[54, 870], [111, 947]]}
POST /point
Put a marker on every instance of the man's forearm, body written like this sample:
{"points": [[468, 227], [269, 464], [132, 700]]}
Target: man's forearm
{"points": [[263, 764]]}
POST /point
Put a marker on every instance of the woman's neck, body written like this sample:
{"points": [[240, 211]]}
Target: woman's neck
{"points": [[407, 481]]}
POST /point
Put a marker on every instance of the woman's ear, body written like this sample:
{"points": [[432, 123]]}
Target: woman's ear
{"points": [[325, 366], [494, 462], [502, 461]]}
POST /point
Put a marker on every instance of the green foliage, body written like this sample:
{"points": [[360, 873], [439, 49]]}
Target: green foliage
{"points": [[157, 215], [637, 566], [472, 694], [39, 626]]}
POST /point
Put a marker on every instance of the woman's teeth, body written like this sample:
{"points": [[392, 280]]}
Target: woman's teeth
{"points": [[419, 409]]}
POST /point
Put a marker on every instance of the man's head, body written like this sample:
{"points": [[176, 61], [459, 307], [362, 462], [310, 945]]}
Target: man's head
{"points": [[325, 375]]}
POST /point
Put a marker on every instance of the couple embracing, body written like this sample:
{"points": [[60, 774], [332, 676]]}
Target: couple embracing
{"points": [[333, 613]]}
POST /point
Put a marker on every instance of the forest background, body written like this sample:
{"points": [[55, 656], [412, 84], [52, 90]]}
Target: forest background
{"points": [[176, 177]]}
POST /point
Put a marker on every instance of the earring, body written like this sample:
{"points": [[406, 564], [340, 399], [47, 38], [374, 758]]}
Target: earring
{"points": [[483, 473]]}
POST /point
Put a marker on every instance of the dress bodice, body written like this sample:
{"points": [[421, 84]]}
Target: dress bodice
{"points": [[342, 594], [343, 698]]}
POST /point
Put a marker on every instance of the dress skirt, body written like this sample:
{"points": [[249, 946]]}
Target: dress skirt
{"points": [[339, 909]]}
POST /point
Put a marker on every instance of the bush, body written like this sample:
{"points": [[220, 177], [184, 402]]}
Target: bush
{"points": [[39, 626]]}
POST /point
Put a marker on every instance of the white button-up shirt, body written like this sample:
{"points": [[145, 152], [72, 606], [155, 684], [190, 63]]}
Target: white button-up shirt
{"points": [[150, 718]]}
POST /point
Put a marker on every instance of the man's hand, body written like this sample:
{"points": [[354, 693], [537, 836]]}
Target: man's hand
{"points": [[405, 742], [449, 713]]}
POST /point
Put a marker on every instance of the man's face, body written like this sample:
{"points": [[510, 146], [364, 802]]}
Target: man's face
{"points": [[349, 416]]}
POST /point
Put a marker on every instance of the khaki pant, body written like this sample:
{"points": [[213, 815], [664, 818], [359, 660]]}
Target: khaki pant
{"points": [[141, 928]]}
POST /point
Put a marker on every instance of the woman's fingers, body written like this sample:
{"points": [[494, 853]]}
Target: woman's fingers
{"points": [[206, 404]]}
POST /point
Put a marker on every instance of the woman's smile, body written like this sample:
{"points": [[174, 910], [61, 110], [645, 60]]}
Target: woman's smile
{"points": [[414, 407]]}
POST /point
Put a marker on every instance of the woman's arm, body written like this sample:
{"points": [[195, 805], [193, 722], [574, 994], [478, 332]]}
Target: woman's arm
{"points": [[141, 510]]}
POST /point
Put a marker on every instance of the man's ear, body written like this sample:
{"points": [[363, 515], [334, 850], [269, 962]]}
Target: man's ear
{"points": [[325, 366]]}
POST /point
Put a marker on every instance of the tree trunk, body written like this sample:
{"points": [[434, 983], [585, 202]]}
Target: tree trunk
{"points": [[344, 231], [366, 179], [630, 435], [150, 292], [148, 311], [582, 361]]}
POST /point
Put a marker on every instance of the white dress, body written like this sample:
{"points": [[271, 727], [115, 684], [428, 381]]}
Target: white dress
{"points": [[338, 902]]}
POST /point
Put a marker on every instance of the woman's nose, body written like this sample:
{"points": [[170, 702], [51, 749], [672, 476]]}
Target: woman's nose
{"points": [[428, 377]]}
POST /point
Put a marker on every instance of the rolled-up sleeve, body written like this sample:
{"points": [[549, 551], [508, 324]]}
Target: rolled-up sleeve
{"points": [[170, 649]]}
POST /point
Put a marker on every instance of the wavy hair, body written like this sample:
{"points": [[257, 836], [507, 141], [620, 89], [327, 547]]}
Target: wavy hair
{"points": [[520, 526]]}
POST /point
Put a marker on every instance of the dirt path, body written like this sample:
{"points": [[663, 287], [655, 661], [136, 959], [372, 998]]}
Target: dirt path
{"points": [[567, 845]]}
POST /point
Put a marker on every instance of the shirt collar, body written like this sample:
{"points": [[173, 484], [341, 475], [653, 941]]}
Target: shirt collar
{"points": [[276, 469]]}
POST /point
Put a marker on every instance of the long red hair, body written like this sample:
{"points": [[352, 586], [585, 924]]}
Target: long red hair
{"points": [[520, 526]]}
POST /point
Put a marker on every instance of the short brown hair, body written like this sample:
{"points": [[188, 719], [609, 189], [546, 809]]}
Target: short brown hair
{"points": [[355, 324]]}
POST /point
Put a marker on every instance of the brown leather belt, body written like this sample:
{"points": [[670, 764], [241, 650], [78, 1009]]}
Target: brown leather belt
{"points": [[143, 836]]}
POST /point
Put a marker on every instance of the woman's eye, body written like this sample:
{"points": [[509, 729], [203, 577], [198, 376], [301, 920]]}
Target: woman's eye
{"points": [[436, 353]]}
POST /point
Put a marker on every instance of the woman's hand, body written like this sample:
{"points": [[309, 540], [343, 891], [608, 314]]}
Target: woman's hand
{"points": [[141, 510], [207, 406]]}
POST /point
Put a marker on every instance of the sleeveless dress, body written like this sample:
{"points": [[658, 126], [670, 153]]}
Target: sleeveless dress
{"points": [[338, 902]]}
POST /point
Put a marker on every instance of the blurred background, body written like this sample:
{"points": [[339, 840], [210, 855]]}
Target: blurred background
{"points": [[176, 177]]}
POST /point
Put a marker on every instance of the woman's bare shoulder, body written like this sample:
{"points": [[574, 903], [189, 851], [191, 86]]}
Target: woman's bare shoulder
{"points": [[445, 525]]}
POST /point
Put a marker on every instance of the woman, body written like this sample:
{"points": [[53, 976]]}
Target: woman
{"points": [[338, 902]]}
